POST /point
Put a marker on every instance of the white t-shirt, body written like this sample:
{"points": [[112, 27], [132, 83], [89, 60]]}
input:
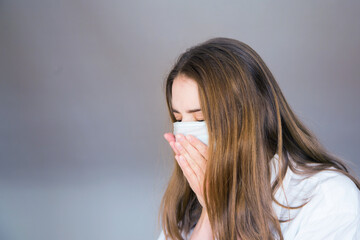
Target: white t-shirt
{"points": [[332, 213]]}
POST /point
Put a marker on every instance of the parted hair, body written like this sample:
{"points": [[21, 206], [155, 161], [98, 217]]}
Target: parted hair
{"points": [[250, 121]]}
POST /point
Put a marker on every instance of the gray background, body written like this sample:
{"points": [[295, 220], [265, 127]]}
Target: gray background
{"points": [[82, 106]]}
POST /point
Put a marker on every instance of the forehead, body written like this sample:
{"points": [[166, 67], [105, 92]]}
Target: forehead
{"points": [[184, 93]]}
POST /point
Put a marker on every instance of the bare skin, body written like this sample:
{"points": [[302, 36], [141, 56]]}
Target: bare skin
{"points": [[190, 152], [191, 159]]}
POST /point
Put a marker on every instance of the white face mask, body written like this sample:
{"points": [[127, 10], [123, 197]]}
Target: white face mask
{"points": [[196, 129]]}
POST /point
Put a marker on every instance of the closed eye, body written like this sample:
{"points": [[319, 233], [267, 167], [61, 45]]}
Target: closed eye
{"points": [[196, 121]]}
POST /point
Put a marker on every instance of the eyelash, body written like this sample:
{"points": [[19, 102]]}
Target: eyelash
{"points": [[196, 121]]}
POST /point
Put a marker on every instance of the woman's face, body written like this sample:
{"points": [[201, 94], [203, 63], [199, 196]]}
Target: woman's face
{"points": [[185, 100]]}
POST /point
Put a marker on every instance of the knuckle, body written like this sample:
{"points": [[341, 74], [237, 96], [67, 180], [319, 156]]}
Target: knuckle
{"points": [[185, 143], [179, 147]]}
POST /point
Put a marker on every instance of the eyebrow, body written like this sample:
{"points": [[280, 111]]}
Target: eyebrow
{"points": [[188, 111]]}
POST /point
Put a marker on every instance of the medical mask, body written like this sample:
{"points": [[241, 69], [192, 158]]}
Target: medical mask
{"points": [[196, 129]]}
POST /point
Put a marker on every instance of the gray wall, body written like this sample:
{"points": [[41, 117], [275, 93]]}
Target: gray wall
{"points": [[82, 108]]}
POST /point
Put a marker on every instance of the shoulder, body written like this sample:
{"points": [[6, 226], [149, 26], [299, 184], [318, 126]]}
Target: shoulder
{"points": [[335, 193], [161, 236], [332, 211]]}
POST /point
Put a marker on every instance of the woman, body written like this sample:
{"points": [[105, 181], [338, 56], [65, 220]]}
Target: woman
{"points": [[247, 167]]}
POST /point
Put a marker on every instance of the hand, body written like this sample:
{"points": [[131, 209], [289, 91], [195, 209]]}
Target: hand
{"points": [[191, 155]]}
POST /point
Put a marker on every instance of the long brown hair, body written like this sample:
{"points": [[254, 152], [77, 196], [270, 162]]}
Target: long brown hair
{"points": [[250, 121]]}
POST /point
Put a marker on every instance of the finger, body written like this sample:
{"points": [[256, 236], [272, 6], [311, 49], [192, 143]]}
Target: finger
{"points": [[198, 168], [199, 145], [189, 173], [172, 144], [169, 137], [191, 153], [195, 182]]}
